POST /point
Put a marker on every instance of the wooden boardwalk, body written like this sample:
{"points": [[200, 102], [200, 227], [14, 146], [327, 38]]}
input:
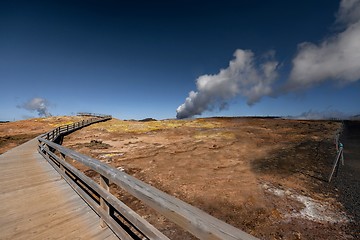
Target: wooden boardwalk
{"points": [[36, 203]]}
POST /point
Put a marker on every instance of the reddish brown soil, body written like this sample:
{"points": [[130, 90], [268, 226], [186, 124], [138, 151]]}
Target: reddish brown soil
{"points": [[264, 176], [13, 134]]}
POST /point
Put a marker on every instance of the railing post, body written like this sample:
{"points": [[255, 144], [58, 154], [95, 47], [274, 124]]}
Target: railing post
{"points": [[46, 149], [104, 182], [336, 163], [62, 156]]}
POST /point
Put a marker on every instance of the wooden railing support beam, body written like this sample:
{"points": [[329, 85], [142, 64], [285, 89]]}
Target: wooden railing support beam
{"points": [[105, 183]]}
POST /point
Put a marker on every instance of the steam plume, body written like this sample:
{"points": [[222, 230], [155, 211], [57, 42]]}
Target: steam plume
{"points": [[336, 58], [40, 105], [243, 76]]}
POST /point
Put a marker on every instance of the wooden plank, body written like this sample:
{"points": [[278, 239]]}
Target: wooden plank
{"points": [[134, 219], [192, 219], [104, 183], [42, 206], [121, 233]]}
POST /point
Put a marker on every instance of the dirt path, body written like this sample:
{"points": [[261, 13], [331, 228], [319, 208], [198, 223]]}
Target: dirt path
{"points": [[348, 181]]}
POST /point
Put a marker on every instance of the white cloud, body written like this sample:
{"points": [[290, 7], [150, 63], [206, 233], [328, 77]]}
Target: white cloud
{"points": [[336, 58], [349, 12]]}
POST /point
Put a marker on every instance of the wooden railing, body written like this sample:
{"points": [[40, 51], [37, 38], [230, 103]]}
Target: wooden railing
{"points": [[54, 134], [124, 222], [340, 153], [87, 114]]}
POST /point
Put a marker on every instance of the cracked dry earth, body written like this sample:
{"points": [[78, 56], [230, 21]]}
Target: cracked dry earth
{"points": [[265, 176]]}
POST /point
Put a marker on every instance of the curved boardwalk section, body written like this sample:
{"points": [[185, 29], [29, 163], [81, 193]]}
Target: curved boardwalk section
{"points": [[36, 203]]}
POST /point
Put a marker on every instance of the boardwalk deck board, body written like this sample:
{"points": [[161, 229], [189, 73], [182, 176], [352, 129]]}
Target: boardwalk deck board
{"points": [[36, 203]]}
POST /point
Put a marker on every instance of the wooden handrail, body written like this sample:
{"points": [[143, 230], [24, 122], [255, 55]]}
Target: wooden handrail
{"points": [[92, 114], [192, 219], [66, 129], [340, 153]]}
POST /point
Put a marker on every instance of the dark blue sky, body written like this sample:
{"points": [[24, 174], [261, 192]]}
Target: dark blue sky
{"points": [[137, 59]]}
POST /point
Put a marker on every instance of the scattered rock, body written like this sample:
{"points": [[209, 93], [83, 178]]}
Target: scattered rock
{"points": [[97, 144], [121, 169]]}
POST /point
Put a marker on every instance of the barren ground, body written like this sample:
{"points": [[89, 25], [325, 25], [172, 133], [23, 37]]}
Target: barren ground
{"points": [[13, 134], [264, 176]]}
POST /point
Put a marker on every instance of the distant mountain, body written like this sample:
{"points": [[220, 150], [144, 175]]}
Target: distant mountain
{"points": [[147, 120], [355, 117]]}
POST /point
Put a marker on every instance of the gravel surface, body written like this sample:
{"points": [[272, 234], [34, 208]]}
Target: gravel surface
{"points": [[347, 182]]}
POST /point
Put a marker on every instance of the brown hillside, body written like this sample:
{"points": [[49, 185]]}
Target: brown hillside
{"points": [[15, 133], [264, 176]]}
